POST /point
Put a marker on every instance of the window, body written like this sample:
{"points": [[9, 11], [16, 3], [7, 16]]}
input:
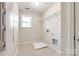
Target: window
{"points": [[26, 22]]}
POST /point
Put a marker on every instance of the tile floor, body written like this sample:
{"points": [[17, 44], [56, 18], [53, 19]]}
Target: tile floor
{"points": [[28, 50]]}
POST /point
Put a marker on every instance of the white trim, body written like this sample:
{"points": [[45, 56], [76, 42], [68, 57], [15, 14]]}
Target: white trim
{"points": [[16, 51], [21, 43], [55, 49]]}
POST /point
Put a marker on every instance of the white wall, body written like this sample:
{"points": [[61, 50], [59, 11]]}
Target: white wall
{"points": [[51, 10], [12, 21], [67, 29], [52, 21], [33, 34]]}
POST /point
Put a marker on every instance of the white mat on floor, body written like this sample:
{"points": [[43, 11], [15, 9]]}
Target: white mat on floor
{"points": [[39, 45]]}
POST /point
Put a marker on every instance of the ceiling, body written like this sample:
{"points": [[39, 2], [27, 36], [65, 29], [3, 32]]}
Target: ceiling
{"points": [[43, 6]]}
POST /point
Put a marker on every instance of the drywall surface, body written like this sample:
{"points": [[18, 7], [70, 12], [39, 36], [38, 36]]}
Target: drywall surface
{"points": [[52, 26], [12, 26], [33, 34], [67, 29]]}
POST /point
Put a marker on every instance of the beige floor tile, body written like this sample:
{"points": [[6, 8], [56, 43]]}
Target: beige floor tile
{"points": [[28, 50]]}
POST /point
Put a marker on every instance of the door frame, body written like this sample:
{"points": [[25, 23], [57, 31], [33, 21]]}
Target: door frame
{"points": [[2, 26], [74, 31]]}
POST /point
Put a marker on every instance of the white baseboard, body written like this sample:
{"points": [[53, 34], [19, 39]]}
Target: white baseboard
{"points": [[16, 51], [21, 43], [59, 52]]}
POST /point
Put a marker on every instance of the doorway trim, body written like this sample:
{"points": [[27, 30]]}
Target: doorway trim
{"points": [[74, 32]]}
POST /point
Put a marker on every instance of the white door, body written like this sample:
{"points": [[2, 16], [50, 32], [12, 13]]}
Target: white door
{"points": [[77, 29]]}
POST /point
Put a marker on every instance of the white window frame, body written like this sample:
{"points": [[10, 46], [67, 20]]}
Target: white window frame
{"points": [[30, 22]]}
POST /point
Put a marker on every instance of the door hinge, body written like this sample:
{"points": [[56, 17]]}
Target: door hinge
{"points": [[74, 37], [4, 11]]}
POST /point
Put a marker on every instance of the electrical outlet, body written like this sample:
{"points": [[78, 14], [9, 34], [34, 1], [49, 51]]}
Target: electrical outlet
{"points": [[54, 41]]}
